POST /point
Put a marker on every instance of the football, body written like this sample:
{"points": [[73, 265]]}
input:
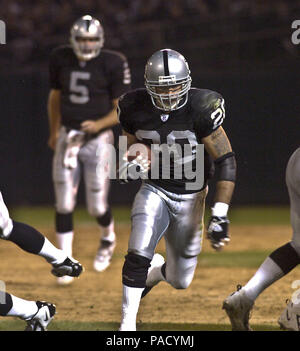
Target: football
{"points": [[139, 149]]}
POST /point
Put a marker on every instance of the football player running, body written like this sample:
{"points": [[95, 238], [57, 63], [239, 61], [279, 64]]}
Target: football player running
{"points": [[37, 314], [170, 112], [86, 83], [279, 263]]}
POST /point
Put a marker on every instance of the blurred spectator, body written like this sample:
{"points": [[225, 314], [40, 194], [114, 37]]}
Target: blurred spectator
{"points": [[34, 28]]}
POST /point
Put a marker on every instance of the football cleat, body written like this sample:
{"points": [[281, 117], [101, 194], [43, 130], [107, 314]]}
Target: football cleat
{"points": [[156, 264], [104, 255], [290, 317], [238, 307], [69, 267], [42, 318], [65, 280]]}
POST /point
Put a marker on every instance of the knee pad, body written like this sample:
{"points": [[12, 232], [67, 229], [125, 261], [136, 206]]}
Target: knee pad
{"points": [[181, 282], [105, 219], [181, 274], [63, 222], [286, 257], [135, 270], [5, 303]]}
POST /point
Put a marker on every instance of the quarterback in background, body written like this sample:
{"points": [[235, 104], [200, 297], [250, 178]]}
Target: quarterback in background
{"points": [[279, 263], [170, 112], [86, 82]]}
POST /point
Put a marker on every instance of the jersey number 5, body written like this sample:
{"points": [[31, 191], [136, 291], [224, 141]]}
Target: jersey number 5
{"points": [[80, 93]]}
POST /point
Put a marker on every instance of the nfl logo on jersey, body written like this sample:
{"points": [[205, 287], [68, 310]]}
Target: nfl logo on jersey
{"points": [[164, 118]]}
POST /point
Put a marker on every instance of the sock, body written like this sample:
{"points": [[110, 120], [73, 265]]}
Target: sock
{"points": [[22, 308], [51, 253], [130, 306], [266, 275], [279, 263], [108, 233], [26, 237], [65, 242]]}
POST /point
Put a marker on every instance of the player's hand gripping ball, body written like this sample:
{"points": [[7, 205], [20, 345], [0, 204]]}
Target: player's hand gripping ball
{"points": [[135, 163]]}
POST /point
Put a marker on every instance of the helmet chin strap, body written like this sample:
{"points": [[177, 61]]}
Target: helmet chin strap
{"points": [[160, 104]]}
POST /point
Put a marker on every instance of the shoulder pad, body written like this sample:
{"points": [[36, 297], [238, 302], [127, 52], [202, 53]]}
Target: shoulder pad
{"points": [[205, 100]]}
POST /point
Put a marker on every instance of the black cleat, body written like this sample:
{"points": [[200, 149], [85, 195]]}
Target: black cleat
{"points": [[42, 318], [69, 267]]}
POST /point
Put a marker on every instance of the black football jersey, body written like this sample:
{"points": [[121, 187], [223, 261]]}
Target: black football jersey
{"points": [[203, 113], [87, 87]]}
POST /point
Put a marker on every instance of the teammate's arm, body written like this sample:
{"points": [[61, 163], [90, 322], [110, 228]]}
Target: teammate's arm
{"points": [[54, 116], [107, 121], [219, 148]]}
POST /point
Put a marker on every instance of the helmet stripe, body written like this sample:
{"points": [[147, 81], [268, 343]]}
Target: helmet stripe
{"points": [[87, 23], [166, 63]]}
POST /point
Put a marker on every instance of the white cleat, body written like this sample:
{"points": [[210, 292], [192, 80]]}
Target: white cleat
{"points": [[104, 255], [65, 280], [290, 317], [42, 318], [156, 264], [238, 307]]}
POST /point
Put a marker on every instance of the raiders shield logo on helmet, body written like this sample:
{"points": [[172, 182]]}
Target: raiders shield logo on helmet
{"points": [[164, 118]]}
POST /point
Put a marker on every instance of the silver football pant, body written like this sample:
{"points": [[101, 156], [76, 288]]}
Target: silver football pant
{"points": [[179, 218], [66, 180], [6, 224], [293, 184]]}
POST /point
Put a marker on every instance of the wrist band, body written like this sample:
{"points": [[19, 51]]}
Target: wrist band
{"points": [[220, 209]]}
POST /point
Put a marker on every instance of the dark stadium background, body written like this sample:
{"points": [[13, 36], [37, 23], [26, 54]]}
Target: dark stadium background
{"points": [[240, 48]]}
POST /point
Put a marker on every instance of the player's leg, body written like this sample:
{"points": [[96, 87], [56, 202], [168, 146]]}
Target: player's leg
{"points": [[150, 219], [289, 319], [277, 264], [184, 239], [285, 258], [66, 183], [37, 314], [32, 241], [96, 159]]}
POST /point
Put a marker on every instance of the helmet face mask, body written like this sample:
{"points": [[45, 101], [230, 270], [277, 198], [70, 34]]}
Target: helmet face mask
{"points": [[169, 97], [167, 80], [87, 38]]}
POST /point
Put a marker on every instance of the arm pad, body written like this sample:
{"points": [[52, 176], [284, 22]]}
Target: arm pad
{"points": [[226, 167]]}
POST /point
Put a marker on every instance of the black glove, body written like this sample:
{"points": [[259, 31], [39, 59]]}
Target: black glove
{"points": [[217, 232]]}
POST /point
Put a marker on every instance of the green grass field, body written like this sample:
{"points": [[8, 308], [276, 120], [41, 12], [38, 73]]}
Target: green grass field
{"points": [[244, 216], [100, 326], [259, 215]]}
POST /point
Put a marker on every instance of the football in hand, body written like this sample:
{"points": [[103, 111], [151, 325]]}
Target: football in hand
{"points": [[139, 151]]}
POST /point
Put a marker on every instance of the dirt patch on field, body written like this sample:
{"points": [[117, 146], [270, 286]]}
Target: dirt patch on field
{"points": [[97, 296]]}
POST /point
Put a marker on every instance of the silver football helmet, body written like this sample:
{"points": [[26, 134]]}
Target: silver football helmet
{"points": [[167, 79], [87, 37]]}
